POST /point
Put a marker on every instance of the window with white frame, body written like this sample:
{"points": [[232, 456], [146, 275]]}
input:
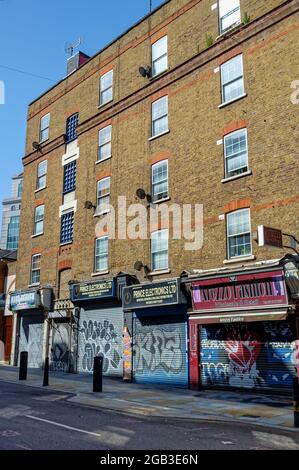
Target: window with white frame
{"points": [[44, 128], [101, 254], [105, 136], [232, 79], [35, 269], [160, 116], [39, 220], [159, 250], [160, 180], [106, 87], [42, 175], [236, 153], [159, 56], [229, 14], [239, 234], [103, 195]]}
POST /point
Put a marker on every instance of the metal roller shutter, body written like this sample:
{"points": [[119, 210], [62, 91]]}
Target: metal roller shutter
{"points": [[31, 339], [101, 334], [160, 351], [60, 351], [257, 356]]}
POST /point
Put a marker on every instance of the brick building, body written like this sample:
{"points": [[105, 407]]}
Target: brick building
{"points": [[192, 105]]}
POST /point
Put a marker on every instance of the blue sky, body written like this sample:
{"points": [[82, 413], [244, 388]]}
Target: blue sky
{"points": [[33, 34]]}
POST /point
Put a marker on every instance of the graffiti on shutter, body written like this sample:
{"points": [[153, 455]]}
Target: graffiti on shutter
{"points": [[60, 354], [248, 355], [101, 338]]}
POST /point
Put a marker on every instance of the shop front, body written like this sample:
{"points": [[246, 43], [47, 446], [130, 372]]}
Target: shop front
{"points": [[156, 316], [243, 332], [101, 323], [31, 308]]}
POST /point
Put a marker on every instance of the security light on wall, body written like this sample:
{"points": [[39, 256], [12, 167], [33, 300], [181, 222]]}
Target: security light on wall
{"points": [[139, 265], [89, 205], [141, 194], [36, 145], [145, 71]]}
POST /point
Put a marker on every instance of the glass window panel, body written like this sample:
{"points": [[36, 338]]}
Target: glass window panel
{"points": [[236, 153], [159, 250]]}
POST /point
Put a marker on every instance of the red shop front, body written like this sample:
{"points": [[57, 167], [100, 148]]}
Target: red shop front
{"points": [[243, 329]]}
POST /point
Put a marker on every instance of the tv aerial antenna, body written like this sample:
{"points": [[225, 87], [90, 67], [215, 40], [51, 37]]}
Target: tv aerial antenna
{"points": [[71, 47]]}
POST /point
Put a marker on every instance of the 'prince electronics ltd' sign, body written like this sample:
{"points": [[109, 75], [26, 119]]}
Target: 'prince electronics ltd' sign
{"points": [[242, 291]]}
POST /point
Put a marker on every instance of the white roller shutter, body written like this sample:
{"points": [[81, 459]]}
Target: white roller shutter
{"points": [[101, 333]]}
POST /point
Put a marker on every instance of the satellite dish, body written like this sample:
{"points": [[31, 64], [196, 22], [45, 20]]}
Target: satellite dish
{"points": [[141, 194], [145, 71], [138, 265]]}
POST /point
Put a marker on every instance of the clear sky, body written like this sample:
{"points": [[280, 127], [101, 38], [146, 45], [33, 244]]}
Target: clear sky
{"points": [[33, 34]]}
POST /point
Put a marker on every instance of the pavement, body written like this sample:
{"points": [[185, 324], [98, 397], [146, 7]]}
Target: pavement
{"points": [[165, 402]]}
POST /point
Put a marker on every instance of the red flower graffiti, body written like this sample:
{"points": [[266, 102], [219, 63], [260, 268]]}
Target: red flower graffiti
{"points": [[243, 353]]}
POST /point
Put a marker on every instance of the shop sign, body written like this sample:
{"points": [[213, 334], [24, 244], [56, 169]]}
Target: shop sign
{"points": [[103, 289], [268, 236], [244, 291], [24, 301], [152, 295]]}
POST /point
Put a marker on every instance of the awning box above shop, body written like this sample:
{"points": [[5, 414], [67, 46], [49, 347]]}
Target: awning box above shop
{"points": [[94, 290], [240, 317]]}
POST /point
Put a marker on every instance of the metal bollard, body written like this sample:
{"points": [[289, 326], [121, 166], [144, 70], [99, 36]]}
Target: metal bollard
{"points": [[23, 365], [98, 374], [296, 401], [46, 373]]}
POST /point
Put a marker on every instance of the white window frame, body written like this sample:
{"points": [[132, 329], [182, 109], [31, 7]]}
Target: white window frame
{"points": [[153, 234], [104, 211], [160, 117], [157, 59], [227, 14], [103, 90], [43, 129], [101, 255], [43, 175], [33, 270], [223, 85], [105, 144], [156, 165], [226, 158], [248, 255], [38, 221]]}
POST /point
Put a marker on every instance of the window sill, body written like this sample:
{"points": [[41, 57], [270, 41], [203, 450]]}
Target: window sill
{"points": [[104, 104], [236, 177], [160, 201], [37, 235], [222, 105], [99, 214], [104, 160], [66, 243], [154, 77], [40, 189], [159, 135], [159, 273], [240, 259], [229, 31], [100, 273], [37, 284]]}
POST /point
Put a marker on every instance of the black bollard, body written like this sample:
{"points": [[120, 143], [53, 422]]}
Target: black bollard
{"points": [[296, 401], [23, 365], [98, 374], [46, 373]]}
